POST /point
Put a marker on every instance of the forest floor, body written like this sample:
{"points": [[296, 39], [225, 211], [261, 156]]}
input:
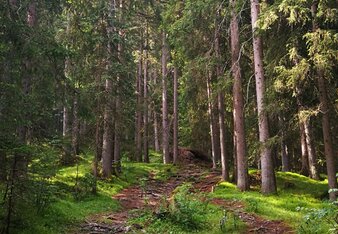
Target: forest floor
{"points": [[148, 195]]}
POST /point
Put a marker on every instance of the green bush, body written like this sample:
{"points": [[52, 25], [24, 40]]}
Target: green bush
{"points": [[185, 209]]}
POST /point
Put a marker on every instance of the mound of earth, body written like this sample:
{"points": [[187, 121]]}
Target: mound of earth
{"points": [[192, 156]]}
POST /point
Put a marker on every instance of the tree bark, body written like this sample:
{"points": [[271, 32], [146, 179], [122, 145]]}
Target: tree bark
{"points": [[117, 127], [175, 137], [268, 174], [117, 138], [221, 115], [239, 125], [107, 156], [312, 159], [75, 126], [325, 110], [283, 146], [305, 160], [155, 116], [145, 101], [212, 123], [138, 153], [165, 126]]}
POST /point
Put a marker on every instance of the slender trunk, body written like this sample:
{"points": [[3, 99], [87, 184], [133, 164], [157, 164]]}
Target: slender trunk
{"points": [[107, 154], [75, 127], [221, 115], [155, 116], [117, 138], [330, 156], [145, 102], [285, 157], [107, 132], [165, 126], [175, 137], [156, 138], [216, 127], [212, 122], [305, 160], [239, 126], [325, 110], [310, 150], [268, 173], [118, 129], [138, 153], [224, 156], [98, 142], [283, 147], [66, 154]]}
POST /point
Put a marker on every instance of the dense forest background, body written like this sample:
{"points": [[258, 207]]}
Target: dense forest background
{"points": [[251, 84]]}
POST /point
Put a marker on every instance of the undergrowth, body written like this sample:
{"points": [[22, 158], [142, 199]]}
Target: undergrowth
{"points": [[187, 212]]}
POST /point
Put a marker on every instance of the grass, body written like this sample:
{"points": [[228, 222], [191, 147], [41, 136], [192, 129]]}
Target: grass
{"points": [[296, 196], [186, 212], [298, 201], [65, 210]]}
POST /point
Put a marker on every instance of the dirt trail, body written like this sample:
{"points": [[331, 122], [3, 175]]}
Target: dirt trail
{"points": [[152, 194]]}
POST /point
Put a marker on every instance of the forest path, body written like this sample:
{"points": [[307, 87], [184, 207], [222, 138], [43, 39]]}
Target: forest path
{"points": [[151, 193]]}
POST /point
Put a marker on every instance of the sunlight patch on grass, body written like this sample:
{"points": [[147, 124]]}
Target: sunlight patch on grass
{"points": [[302, 192]]}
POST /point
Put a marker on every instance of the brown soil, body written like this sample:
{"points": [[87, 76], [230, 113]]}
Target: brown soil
{"points": [[194, 170]]}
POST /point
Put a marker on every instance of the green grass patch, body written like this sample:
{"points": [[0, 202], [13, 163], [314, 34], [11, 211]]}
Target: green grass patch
{"points": [[297, 196], [70, 198]]}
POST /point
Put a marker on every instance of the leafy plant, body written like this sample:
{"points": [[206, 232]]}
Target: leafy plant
{"points": [[323, 220], [186, 209]]}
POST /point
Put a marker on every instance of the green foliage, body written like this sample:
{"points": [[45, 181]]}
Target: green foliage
{"points": [[186, 209], [187, 212], [323, 220]]}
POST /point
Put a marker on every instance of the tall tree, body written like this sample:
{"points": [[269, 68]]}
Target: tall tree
{"points": [[107, 153], [268, 174], [220, 97], [138, 153], [239, 126], [145, 99], [165, 124], [175, 126], [324, 104]]}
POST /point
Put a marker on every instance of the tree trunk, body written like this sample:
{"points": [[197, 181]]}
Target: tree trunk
{"points": [[145, 102], [75, 127], [117, 138], [268, 173], [239, 126], [212, 122], [310, 150], [138, 153], [107, 156], [325, 110], [165, 126], [155, 116], [66, 146], [329, 151], [283, 147], [117, 128], [107, 146], [220, 98], [175, 137], [305, 160]]}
